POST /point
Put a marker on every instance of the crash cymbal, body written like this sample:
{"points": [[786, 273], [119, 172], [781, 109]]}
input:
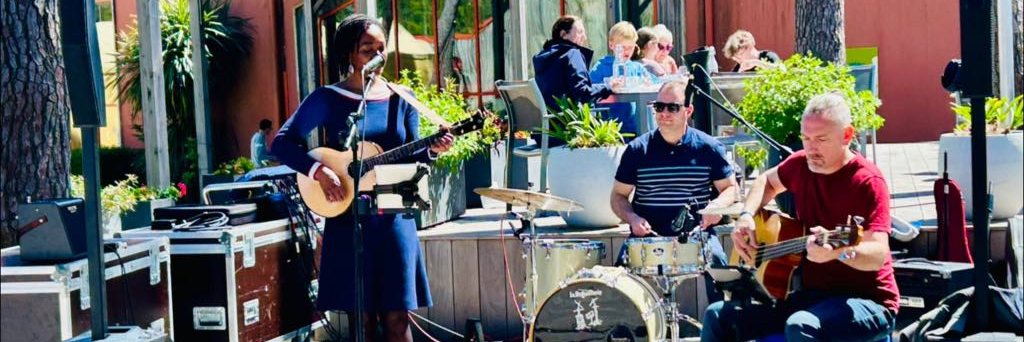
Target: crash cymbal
{"points": [[530, 199]]}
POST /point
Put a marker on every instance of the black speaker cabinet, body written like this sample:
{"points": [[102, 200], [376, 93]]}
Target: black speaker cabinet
{"points": [[82, 62], [976, 37], [52, 230]]}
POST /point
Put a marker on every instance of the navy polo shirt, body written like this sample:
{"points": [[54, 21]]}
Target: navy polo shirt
{"points": [[666, 177]]}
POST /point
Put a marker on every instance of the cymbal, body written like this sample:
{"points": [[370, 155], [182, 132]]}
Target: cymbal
{"points": [[736, 139], [732, 210], [530, 199]]}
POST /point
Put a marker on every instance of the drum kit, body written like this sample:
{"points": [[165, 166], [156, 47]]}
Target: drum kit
{"points": [[569, 297]]}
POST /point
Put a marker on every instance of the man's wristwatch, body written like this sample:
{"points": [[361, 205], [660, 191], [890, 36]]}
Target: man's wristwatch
{"points": [[745, 213]]}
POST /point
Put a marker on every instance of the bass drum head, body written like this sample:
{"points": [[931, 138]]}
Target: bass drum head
{"points": [[593, 310]]}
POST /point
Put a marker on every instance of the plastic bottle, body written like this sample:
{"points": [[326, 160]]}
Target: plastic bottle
{"points": [[619, 64]]}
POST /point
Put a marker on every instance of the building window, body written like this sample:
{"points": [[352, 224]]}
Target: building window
{"points": [[104, 11], [300, 52]]}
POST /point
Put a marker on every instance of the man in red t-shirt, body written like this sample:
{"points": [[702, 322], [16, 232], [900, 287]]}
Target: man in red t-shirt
{"points": [[847, 293]]}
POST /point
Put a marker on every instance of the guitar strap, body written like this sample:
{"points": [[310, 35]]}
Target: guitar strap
{"points": [[420, 107]]}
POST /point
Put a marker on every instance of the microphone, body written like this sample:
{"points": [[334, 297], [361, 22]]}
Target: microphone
{"points": [[681, 221], [374, 63], [690, 92]]}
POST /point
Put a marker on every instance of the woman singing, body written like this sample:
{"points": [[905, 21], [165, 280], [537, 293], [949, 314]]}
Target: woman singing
{"points": [[395, 280]]}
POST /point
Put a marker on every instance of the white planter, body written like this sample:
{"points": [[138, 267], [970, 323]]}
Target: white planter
{"points": [[586, 176], [1005, 166]]}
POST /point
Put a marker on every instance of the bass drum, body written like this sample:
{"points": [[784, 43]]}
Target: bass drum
{"points": [[601, 304]]}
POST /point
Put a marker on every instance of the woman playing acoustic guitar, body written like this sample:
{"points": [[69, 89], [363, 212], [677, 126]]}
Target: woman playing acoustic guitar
{"points": [[395, 280]]}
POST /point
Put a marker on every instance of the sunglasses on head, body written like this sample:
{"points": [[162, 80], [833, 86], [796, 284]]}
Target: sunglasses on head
{"points": [[670, 106]]}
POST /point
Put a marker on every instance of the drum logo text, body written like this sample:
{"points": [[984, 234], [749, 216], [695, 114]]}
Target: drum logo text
{"points": [[589, 316]]}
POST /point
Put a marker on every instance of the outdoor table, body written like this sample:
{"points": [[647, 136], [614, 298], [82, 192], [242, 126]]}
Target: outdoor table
{"points": [[643, 114]]}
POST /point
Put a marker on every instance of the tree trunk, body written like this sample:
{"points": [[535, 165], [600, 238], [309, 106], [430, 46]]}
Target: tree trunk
{"points": [[446, 37], [820, 29], [34, 155], [1018, 47]]}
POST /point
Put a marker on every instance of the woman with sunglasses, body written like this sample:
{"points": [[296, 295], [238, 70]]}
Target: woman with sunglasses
{"points": [[664, 47], [647, 39]]}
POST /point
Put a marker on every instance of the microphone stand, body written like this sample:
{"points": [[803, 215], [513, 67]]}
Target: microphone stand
{"points": [[785, 150], [361, 204]]}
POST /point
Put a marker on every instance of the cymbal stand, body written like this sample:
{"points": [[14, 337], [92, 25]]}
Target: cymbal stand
{"points": [[530, 242]]}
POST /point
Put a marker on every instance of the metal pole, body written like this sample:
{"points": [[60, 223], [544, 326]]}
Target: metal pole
{"points": [[93, 232], [979, 182]]}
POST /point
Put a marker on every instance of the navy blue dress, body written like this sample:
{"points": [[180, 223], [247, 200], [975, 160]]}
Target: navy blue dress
{"points": [[396, 277]]}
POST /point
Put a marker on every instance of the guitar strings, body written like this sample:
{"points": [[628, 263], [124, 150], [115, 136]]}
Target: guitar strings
{"points": [[775, 250]]}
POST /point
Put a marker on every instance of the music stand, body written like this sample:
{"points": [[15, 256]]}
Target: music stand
{"points": [[740, 282], [399, 189]]}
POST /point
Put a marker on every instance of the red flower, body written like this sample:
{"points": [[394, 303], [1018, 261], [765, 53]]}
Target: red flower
{"points": [[183, 189]]}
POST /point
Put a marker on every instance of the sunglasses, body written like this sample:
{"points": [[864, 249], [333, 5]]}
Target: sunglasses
{"points": [[671, 106], [664, 47]]}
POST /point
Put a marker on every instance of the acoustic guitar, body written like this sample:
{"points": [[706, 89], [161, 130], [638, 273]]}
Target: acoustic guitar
{"points": [[781, 241], [370, 156]]}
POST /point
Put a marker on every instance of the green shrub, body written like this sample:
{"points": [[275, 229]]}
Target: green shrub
{"points": [[997, 110], [775, 100], [116, 163], [451, 106], [579, 128]]}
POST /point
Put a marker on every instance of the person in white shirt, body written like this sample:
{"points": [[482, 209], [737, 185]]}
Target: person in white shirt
{"points": [[260, 154]]}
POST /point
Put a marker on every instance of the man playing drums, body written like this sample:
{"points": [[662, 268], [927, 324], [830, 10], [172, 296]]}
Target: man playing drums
{"points": [[670, 168]]}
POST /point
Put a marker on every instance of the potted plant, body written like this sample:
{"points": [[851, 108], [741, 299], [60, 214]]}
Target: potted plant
{"points": [[582, 170], [776, 99], [227, 41], [1005, 154], [149, 199], [447, 174], [122, 198]]}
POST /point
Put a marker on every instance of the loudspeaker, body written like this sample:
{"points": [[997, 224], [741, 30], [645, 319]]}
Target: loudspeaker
{"points": [[52, 230], [82, 62], [976, 37], [924, 283]]}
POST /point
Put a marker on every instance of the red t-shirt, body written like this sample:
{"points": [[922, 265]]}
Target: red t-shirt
{"points": [[859, 189]]}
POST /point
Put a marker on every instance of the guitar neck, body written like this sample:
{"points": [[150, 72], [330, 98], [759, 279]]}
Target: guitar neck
{"points": [[471, 124], [780, 249], [401, 152]]}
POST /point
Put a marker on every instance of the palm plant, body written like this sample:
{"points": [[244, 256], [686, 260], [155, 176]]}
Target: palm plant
{"points": [[579, 128], [227, 39]]}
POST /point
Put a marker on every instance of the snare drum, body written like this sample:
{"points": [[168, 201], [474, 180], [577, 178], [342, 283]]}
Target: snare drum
{"points": [[601, 304], [662, 256], [559, 259]]}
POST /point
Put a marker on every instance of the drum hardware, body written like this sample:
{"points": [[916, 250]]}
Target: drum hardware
{"points": [[534, 202]]}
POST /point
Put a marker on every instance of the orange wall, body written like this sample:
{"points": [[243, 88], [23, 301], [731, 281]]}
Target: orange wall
{"points": [[235, 117], [124, 18], [255, 95], [915, 39]]}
